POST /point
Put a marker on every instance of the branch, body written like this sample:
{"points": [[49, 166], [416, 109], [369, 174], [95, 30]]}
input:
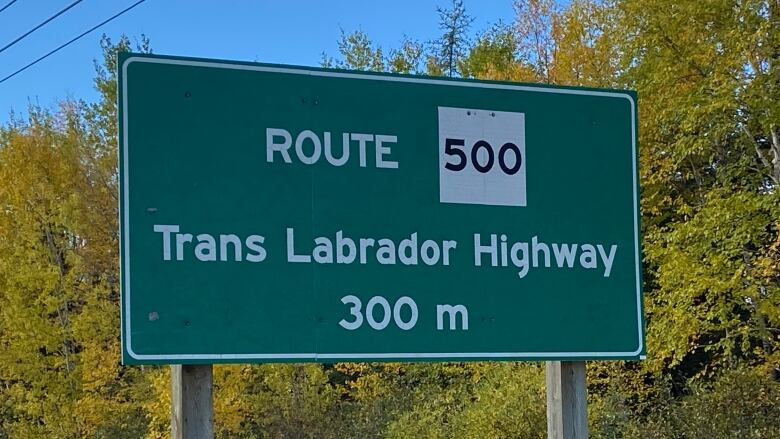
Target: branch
{"points": [[774, 166], [764, 161], [775, 132]]}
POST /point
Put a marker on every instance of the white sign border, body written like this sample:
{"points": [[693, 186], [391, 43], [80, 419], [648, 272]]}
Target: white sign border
{"points": [[316, 357]]}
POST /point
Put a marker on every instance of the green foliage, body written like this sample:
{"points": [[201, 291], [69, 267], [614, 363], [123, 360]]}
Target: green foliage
{"points": [[59, 350], [740, 404], [290, 401], [709, 204], [509, 402], [358, 53], [709, 303], [407, 58], [494, 51]]}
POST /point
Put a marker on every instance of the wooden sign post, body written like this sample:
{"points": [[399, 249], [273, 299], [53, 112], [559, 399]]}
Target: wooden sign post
{"points": [[567, 410], [192, 411]]}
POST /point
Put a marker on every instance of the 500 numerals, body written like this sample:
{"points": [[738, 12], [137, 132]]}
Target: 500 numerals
{"points": [[454, 148]]}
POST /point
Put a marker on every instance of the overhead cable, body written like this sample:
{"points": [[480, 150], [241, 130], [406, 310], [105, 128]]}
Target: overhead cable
{"points": [[7, 5], [113, 17], [20, 38]]}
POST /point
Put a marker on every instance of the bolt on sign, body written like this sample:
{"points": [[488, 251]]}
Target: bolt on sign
{"points": [[275, 213]]}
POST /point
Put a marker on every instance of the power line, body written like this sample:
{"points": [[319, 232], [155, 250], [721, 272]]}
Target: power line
{"points": [[7, 5], [40, 25], [71, 41]]}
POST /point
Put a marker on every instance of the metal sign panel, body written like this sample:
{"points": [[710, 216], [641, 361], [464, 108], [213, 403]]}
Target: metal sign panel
{"points": [[278, 213]]}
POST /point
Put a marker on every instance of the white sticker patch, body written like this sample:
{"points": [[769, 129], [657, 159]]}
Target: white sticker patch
{"points": [[481, 157]]}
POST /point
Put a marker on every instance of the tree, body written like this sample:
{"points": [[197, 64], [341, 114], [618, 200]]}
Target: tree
{"points": [[710, 205], [60, 372], [406, 59], [534, 28], [452, 45], [494, 56], [358, 53]]}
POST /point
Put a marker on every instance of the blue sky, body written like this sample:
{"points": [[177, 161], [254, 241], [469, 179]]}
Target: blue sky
{"points": [[288, 31]]}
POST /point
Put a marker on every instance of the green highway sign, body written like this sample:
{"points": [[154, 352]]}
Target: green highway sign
{"points": [[274, 213]]}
